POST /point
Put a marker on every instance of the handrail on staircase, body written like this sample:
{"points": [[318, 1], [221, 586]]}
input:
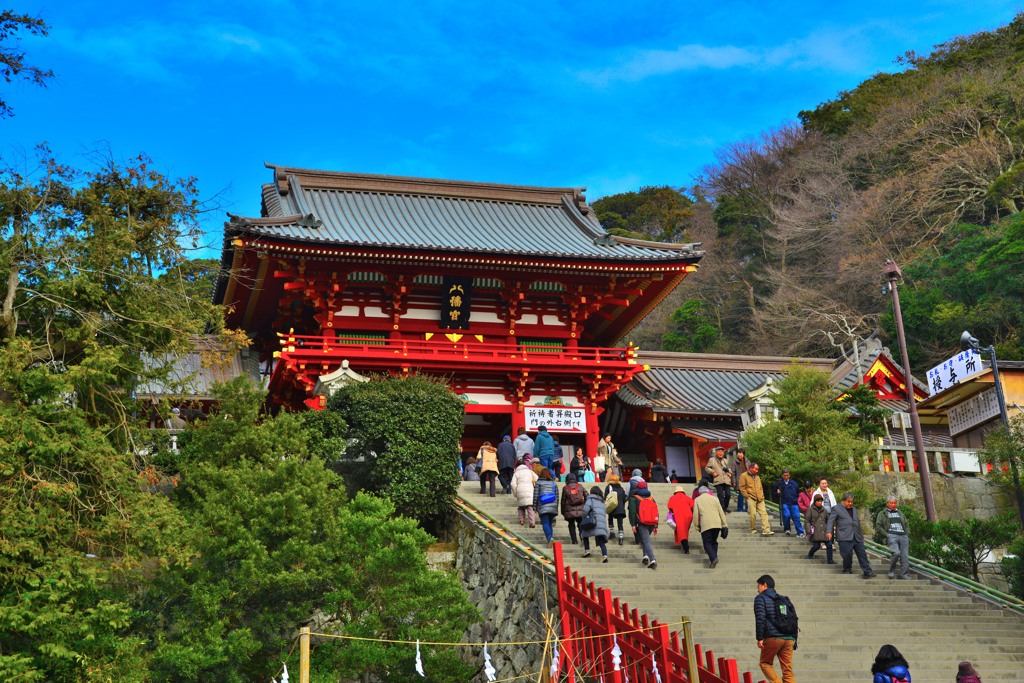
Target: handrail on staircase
{"points": [[512, 539], [993, 595], [595, 612]]}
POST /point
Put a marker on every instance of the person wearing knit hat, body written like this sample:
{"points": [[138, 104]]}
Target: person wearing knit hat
{"points": [[966, 673], [641, 532], [637, 477]]}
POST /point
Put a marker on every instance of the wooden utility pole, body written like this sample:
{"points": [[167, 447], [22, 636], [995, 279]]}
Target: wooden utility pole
{"points": [[304, 654], [893, 274]]}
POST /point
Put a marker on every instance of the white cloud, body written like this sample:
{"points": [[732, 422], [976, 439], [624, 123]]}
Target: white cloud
{"points": [[646, 63], [167, 53], [845, 49]]}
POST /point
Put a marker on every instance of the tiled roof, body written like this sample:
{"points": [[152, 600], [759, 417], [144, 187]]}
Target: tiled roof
{"points": [[847, 374], [193, 375], [439, 215], [681, 390], [705, 433]]}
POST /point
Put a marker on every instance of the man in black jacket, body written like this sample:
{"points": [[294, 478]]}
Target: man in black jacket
{"points": [[506, 463], [770, 640]]}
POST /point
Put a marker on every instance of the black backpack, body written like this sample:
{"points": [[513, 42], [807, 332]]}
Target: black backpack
{"points": [[785, 618]]}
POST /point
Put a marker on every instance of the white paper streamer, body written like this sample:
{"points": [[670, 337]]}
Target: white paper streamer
{"points": [[419, 662], [654, 668], [616, 654], [554, 659], [284, 675], [489, 669]]}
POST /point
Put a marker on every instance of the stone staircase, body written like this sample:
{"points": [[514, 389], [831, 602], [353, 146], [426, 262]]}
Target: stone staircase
{"points": [[844, 619]]}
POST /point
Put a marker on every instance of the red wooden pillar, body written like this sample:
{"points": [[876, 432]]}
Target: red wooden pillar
{"points": [[659, 447], [593, 431], [518, 419]]}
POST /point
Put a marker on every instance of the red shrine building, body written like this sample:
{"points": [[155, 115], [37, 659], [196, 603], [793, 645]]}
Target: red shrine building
{"points": [[514, 294]]}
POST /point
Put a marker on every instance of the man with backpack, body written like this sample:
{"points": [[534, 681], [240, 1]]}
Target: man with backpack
{"points": [[643, 517], [776, 624]]}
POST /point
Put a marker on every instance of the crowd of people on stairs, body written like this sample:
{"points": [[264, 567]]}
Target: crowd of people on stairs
{"points": [[529, 471]]}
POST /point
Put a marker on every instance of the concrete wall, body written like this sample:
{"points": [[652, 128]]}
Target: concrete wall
{"points": [[955, 497], [513, 592]]}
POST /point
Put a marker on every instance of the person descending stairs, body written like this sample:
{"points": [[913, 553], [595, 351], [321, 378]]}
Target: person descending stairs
{"points": [[844, 620]]}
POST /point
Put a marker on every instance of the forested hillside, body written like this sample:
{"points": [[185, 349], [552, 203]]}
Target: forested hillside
{"points": [[924, 167]]}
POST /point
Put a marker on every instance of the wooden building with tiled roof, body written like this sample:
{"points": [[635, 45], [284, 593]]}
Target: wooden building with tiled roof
{"points": [[513, 292]]}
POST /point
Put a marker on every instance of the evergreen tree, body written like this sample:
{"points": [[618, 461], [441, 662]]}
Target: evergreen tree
{"points": [[807, 435]]}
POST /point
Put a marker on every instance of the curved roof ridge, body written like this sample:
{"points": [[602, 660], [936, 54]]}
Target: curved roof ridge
{"points": [[392, 184]]}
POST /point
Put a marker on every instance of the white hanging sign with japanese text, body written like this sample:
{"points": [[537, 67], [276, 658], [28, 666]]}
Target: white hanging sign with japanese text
{"points": [[556, 418], [973, 411], [953, 370]]}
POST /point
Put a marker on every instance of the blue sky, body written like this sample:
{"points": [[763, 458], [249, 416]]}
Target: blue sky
{"points": [[610, 95]]}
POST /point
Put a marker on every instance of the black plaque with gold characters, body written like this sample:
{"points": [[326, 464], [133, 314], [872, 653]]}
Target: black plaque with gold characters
{"points": [[455, 302]]}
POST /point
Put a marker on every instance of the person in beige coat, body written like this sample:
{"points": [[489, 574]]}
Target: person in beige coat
{"points": [[719, 472], [488, 458], [753, 491], [709, 518]]}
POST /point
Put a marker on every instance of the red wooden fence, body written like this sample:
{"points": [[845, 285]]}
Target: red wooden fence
{"points": [[593, 622]]}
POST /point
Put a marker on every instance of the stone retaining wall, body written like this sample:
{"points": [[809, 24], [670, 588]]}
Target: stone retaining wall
{"points": [[955, 497], [513, 592]]}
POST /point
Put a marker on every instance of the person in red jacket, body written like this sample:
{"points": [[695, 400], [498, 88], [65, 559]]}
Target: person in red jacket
{"points": [[803, 501], [681, 507]]}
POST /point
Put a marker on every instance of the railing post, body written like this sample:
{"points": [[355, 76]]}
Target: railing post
{"points": [[567, 644], [304, 654], [729, 670], [608, 611], [691, 651], [664, 643]]}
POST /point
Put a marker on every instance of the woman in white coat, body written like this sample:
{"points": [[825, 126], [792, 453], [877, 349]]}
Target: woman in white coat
{"points": [[523, 481]]}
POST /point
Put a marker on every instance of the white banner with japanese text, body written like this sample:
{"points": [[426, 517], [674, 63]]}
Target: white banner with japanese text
{"points": [[556, 418], [953, 370]]}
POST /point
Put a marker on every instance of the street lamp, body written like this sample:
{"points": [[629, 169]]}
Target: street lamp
{"points": [[894, 274], [969, 342]]}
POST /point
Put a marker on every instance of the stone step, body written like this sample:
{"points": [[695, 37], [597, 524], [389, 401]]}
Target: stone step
{"points": [[844, 619]]}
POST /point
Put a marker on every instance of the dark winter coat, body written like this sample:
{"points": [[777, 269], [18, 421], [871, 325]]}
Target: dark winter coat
{"points": [[573, 498], [595, 503], [544, 448], [659, 474], [817, 519], [764, 614], [506, 455], [894, 674], [634, 501], [620, 511], [789, 491]]}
